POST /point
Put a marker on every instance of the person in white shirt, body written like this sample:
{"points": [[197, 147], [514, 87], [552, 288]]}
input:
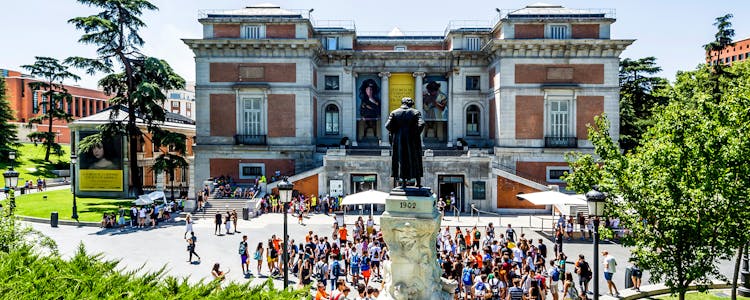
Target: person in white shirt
{"points": [[610, 267]]}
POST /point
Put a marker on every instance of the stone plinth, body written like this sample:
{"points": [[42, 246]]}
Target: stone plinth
{"points": [[410, 226]]}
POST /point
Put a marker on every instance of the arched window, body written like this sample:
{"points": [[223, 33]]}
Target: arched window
{"points": [[332, 120], [472, 120]]}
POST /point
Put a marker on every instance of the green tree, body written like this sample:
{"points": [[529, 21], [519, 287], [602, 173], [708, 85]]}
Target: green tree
{"points": [[172, 159], [54, 96], [138, 87], [639, 96], [722, 39], [8, 138]]}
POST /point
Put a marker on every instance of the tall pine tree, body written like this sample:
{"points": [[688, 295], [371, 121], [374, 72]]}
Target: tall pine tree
{"points": [[8, 139]]}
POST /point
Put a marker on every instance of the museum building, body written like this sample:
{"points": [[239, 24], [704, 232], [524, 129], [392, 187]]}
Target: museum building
{"points": [[503, 100]]}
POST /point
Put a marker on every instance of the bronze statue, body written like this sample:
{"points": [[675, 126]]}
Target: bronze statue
{"points": [[405, 126]]}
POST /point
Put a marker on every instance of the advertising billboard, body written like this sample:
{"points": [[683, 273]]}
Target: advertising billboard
{"points": [[101, 169], [400, 85], [435, 98]]}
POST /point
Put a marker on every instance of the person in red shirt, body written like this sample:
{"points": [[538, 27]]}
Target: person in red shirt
{"points": [[342, 235], [321, 294]]}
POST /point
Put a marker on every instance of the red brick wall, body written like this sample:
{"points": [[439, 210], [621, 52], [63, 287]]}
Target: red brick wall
{"points": [[225, 166], [272, 72], [540, 73], [281, 115], [315, 77], [507, 192], [537, 170], [223, 114], [529, 31], [741, 47], [226, 30], [280, 31], [529, 117], [492, 78], [586, 108], [585, 31]]}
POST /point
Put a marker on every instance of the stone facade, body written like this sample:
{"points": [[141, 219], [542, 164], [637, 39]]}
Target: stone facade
{"points": [[275, 90]]}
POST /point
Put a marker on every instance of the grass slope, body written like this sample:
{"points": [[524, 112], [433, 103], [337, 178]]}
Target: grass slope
{"points": [[30, 162], [61, 201]]}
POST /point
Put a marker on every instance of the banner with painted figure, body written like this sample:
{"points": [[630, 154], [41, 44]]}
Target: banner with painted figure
{"points": [[368, 97], [400, 85], [100, 169], [435, 98]]}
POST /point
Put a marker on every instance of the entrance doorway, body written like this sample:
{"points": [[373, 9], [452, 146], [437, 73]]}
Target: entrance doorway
{"points": [[361, 183], [452, 187]]}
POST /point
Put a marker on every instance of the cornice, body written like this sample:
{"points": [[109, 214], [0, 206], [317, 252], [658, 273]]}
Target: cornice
{"points": [[573, 48], [254, 47]]}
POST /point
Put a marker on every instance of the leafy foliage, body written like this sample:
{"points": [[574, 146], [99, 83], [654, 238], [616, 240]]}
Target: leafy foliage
{"points": [[139, 84], [8, 131], [54, 96], [640, 95]]}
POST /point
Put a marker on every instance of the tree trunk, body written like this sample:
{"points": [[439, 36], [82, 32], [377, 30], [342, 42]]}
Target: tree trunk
{"points": [[737, 271], [50, 138]]}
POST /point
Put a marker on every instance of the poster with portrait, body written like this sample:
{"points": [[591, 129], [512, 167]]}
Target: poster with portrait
{"points": [[100, 169], [435, 98], [368, 97]]}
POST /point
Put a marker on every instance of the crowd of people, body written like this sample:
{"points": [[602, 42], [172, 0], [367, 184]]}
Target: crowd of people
{"points": [[226, 187], [140, 216]]}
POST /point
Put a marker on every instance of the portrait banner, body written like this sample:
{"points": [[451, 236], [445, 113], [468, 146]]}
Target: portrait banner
{"points": [[435, 98], [100, 168], [400, 85], [368, 97]]}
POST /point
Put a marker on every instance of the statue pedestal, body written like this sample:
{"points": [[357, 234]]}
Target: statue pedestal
{"points": [[410, 226]]}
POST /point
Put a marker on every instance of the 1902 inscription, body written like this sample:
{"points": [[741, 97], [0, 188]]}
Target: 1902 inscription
{"points": [[408, 204]]}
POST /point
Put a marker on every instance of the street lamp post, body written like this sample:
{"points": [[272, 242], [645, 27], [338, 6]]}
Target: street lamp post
{"points": [[73, 161], [744, 289], [11, 181], [285, 193], [595, 202]]}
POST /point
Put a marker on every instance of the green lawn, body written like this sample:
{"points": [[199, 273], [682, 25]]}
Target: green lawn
{"points": [[89, 209], [711, 295], [30, 162]]}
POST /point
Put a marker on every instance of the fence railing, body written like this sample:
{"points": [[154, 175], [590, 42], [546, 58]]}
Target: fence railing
{"points": [[246, 139]]}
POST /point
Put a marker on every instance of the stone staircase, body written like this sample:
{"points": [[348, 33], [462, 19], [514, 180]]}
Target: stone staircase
{"points": [[221, 205]]}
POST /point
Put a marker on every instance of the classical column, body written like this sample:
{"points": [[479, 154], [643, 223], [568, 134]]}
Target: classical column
{"points": [[353, 131], [418, 90], [384, 102], [419, 103]]}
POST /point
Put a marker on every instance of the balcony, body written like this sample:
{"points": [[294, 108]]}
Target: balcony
{"points": [[246, 139], [560, 142]]}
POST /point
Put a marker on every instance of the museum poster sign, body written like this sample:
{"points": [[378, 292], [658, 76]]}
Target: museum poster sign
{"points": [[100, 169]]}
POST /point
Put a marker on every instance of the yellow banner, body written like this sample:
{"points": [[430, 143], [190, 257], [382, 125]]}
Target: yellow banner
{"points": [[100, 180], [400, 85]]}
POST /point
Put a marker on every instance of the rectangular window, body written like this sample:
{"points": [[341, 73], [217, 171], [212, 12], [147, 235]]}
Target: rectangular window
{"points": [[44, 104], [189, 106], [559, 118], [479, 190], [70, 103], [76, 112], [332, 120], [175, 104], [35, 103], [472, 83], [253, 32], [252, 116], [558, 32], [174, 96], [472, 43], [184, 174], [472, 121], [399, 48], [555, 174], [252, 171], [189, 114], [332, 43], [331, 83]]}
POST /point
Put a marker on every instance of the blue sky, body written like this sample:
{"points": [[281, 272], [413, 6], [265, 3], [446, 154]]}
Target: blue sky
{"points": [[672, 31]]}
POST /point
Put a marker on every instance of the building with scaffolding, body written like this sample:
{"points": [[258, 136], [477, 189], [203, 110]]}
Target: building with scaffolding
{"points": [[279, 93]]}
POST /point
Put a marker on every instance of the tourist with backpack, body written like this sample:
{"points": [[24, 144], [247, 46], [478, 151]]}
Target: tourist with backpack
{"points": [[496, 286], [554, 279], [335, 271], [515, 292], [354, 260], [583, 269], [467, 279], [480, 288], [243, 255], [321, 271]]}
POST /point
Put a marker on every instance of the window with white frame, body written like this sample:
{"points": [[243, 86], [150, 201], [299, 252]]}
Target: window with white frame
{"points": [[399, 48], [472, 43], [252, 121], [331, 120], [332, 43], [253, 32], [555, 173], [559, 116], [252, 171], [472, 120], [558, 32]]}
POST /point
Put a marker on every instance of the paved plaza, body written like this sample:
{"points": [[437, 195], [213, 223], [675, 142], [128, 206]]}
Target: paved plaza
{"points": [[164, 246]]}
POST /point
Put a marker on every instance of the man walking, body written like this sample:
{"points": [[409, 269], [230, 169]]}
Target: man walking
{"points": [[610, 267], [584, 273], [510, 233], [243, 255], [217, 222]]}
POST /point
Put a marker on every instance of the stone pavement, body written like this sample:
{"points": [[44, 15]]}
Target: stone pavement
{"points": [[164, 245]]}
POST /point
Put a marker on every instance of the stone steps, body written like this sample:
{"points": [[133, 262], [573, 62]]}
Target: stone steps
{"points": [[213, 206]]}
